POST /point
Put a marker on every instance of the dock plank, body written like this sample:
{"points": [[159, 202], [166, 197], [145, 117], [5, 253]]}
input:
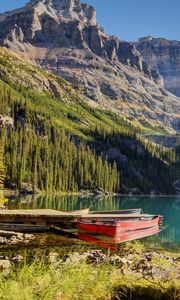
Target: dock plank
{"points": [[57, 213], [47, 217], [55, 218]]}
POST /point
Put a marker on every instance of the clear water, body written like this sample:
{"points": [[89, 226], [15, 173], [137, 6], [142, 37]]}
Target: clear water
{"points": [[168, 206]]}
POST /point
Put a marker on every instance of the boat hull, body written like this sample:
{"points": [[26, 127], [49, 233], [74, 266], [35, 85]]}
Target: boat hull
{"points": [[113, 229], [121, 238]]}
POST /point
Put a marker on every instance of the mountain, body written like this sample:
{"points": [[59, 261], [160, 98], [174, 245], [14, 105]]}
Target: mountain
{"points": [[63, 37], [55, 142], [164, 56]]}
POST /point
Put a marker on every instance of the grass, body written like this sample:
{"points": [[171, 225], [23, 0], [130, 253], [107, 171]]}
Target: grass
{"points": [[131, 288], [3, 200], [40, 280]]}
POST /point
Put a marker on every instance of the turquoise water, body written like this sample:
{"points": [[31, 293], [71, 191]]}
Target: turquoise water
{"points": [[168, 206]]}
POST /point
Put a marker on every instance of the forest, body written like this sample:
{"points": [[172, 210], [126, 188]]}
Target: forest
{"points": [[39, 155], [42, 155]]}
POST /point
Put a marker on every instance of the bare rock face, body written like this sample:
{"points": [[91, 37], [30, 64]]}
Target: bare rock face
{"points": [[63, 37], [164, 56], [65, 10]]}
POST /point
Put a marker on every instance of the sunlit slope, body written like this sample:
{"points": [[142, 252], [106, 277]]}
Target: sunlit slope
{"points": [[55, 96]]}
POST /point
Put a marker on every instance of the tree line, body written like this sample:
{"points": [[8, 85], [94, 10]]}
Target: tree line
{"points": [[2, 168], [43, 156]]}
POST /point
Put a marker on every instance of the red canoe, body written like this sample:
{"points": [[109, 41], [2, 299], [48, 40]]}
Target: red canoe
{"points": [[123, 237], [115, 226]]}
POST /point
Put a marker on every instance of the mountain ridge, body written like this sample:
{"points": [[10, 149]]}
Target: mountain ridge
{"points": [[63, 37], [163, 55], [56, 142]]}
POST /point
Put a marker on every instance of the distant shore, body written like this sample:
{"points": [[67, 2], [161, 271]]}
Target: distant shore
{"points": [[14, 193]]}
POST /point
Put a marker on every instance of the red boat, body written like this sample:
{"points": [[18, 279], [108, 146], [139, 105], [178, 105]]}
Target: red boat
{"points": [[113, 225], [123, 237], [119, 212]]}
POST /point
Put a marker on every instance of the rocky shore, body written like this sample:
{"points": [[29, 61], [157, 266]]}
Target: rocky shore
{"points": [[129, 273], [9, 238], [150, 265]]}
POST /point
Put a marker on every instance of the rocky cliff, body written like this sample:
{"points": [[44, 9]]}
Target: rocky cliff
{"points": [[164, 56], [63, 36]]}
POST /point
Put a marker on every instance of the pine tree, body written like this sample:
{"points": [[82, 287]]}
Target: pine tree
{"points": [[2, 168]]}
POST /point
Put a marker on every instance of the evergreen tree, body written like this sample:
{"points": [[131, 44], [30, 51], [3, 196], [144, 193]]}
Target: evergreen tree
{"points": [[38, 152], [2, 168]]}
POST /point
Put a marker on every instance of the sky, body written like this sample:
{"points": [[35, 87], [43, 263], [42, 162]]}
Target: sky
{"points": [[130, 19]]}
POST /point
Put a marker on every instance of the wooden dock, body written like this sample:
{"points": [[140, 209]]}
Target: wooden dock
{"points": [[50, 216], [44, 217]]}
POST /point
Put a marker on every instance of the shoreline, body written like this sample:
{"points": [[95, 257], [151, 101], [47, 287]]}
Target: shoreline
{"points": [[46, 238], [132, 273], [9, 193]]}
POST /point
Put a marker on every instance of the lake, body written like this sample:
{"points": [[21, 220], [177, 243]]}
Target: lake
{"points": [[168, 206]]}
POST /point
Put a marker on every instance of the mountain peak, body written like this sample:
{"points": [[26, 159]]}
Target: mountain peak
{"points": [[147, 38], [65, 10], [62, 36], [60, 3]]}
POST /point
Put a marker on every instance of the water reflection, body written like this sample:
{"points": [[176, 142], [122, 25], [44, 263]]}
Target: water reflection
{"points": [[110, 242], [169, 207]]}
